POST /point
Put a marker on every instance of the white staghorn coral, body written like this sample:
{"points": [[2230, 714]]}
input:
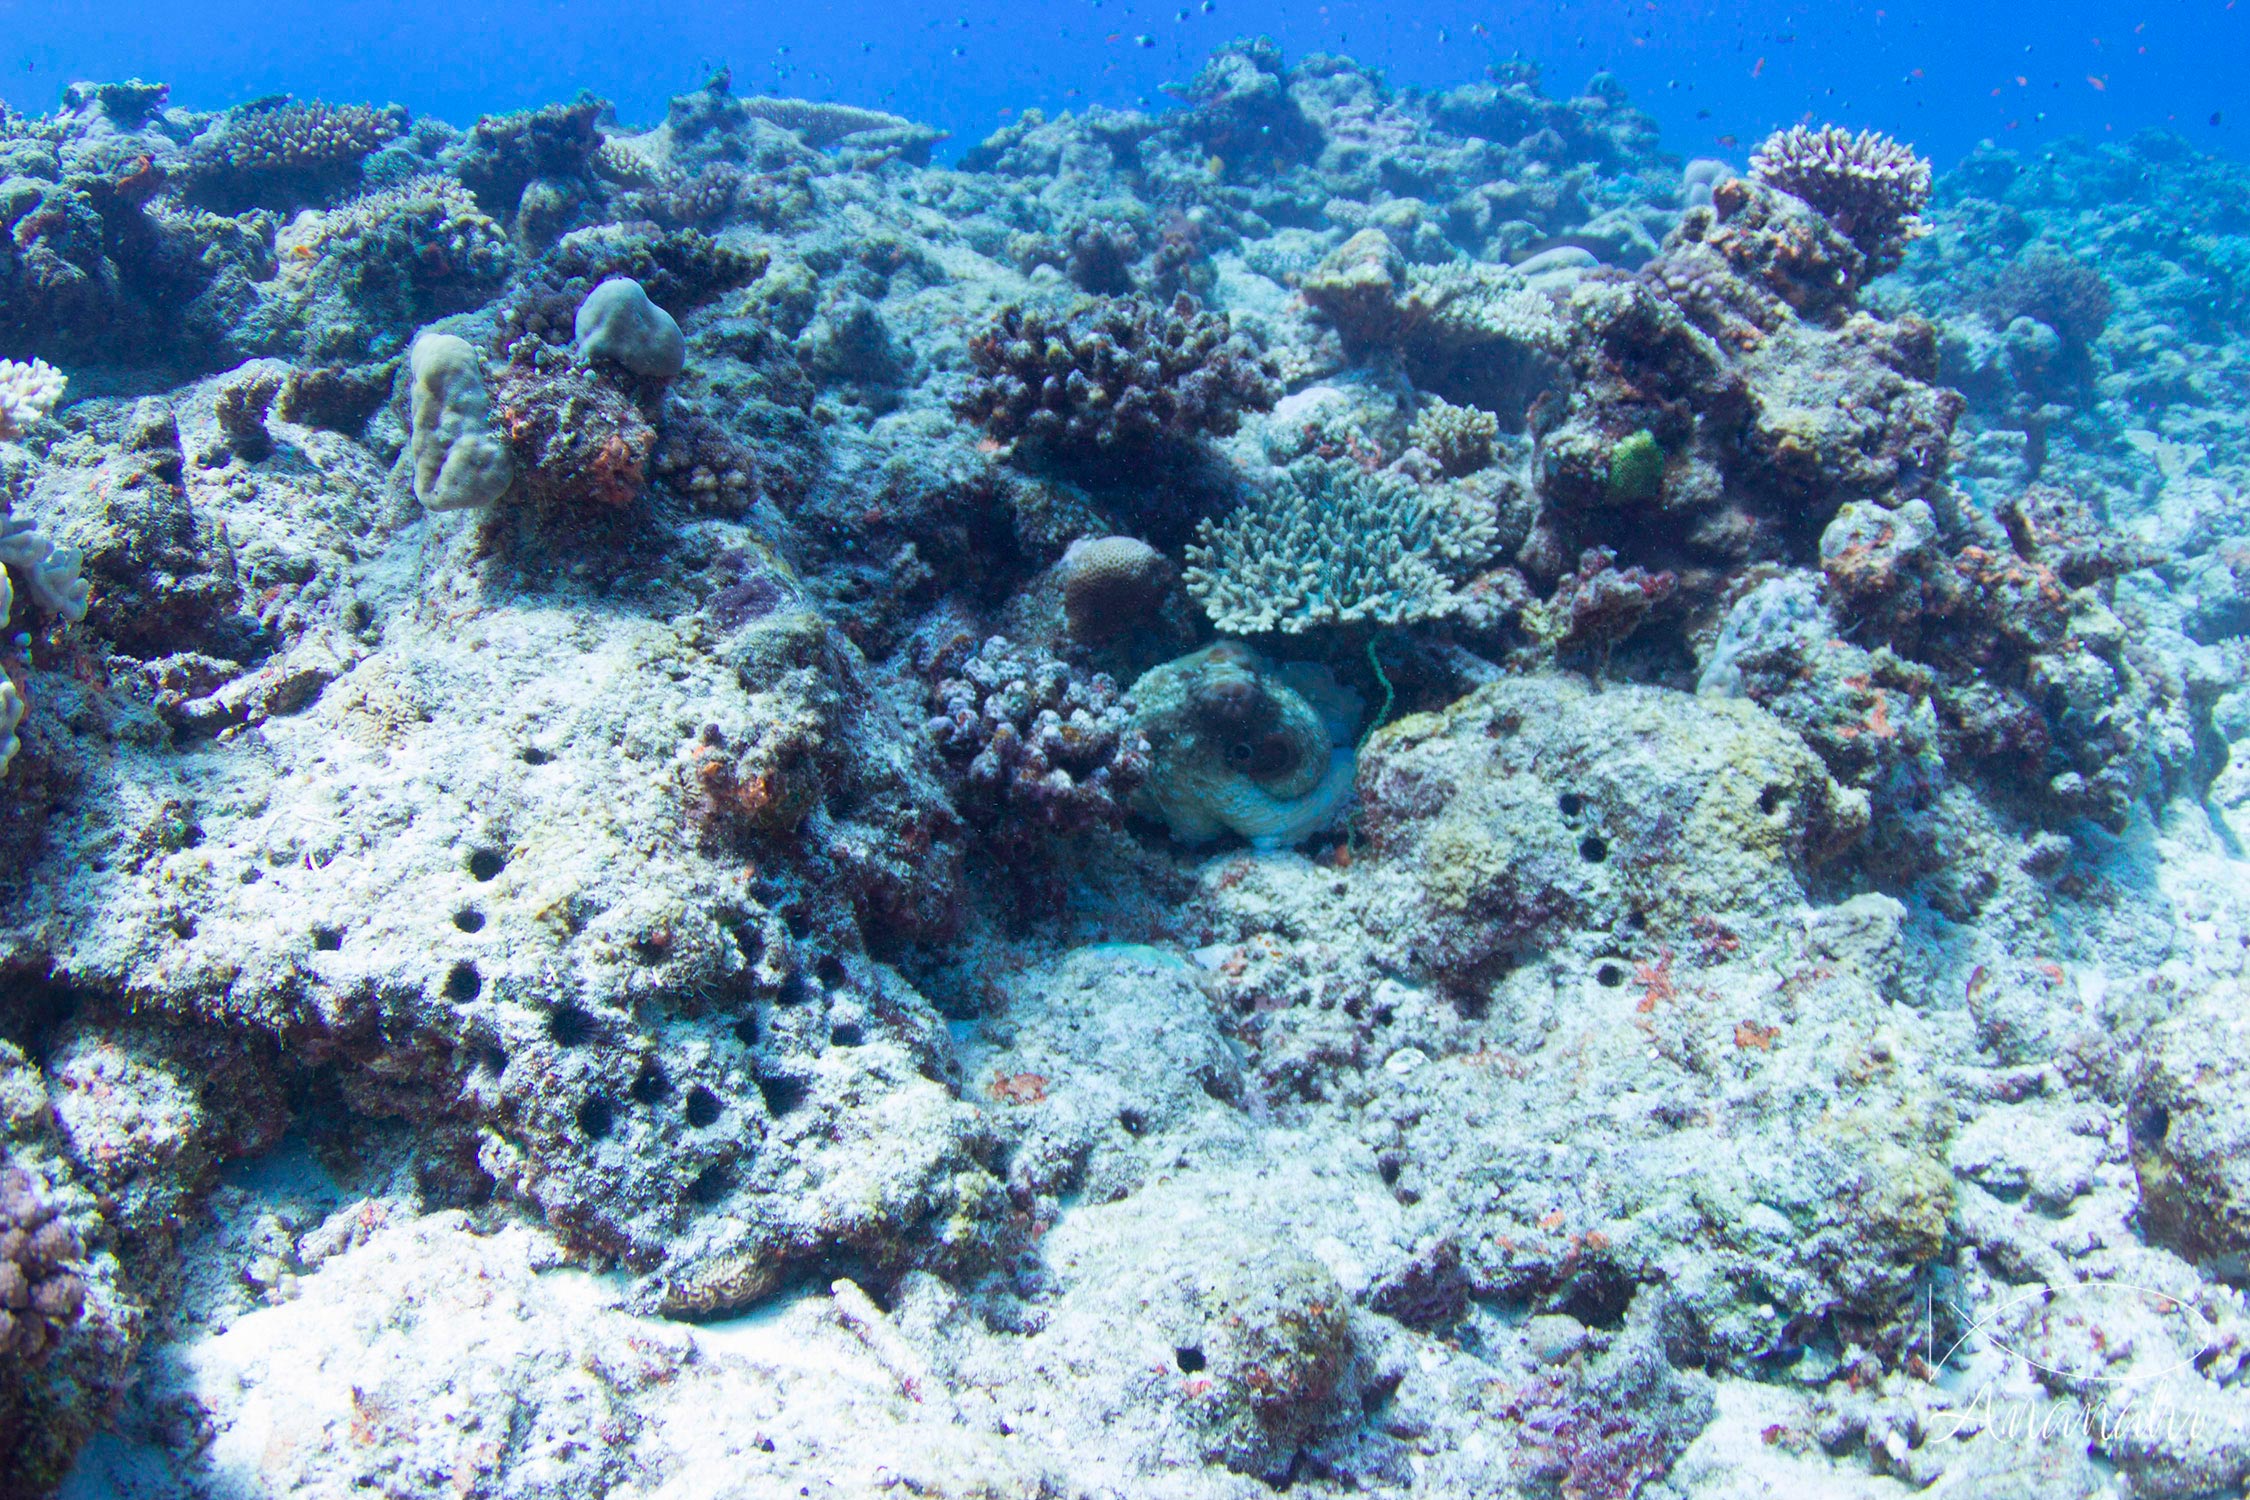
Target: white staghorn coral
{"points": [[27, 393]]}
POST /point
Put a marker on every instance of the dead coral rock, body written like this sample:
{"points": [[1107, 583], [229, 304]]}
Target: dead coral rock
{"points": [[241, 408], [2191, 1133], [338, 397], [576, 439], [1534, 806], [1359, 287]]}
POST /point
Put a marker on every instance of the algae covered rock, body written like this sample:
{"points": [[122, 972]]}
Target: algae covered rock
{"points": [[1239, 744], [2190, 1126], [1537, 805]]}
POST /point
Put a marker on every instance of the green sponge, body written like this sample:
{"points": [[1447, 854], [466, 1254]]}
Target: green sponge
{"points": [[1636, 468]]}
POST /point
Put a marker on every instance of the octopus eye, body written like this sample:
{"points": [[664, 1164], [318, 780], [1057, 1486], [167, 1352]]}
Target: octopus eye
{"points": [[1272, 755], [1240, 753]]}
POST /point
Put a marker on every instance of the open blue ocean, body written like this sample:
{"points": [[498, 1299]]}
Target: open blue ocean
{"points": [[1944, 76]]}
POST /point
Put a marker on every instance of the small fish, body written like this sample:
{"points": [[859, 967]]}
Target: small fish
{"points": [[1703, 114], [1760, 68], [2214, 117], [1144, 40], [1729, 141], [2101, 85]]}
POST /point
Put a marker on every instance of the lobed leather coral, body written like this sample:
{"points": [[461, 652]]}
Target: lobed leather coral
{"points": [[1116, 380]]}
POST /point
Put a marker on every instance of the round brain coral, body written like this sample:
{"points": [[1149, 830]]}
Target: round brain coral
{"points": [[1111, 584]]}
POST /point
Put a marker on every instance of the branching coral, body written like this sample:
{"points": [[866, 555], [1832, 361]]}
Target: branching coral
{"points": [[1459, 438], [1119, 379], [1868, 185], [275, 139], [27, 393], [39, 1295], [1332, 544], [1036, 748], [818, 123]]}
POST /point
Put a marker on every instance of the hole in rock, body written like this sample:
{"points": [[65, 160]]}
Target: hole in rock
{"points": [[846, 1034], [1571, 804], [486, 863], [595, 1118], [463, 982], [534, 756], [831, 970], [1609, 976], [328, 939], [1769, 801], [469, 919], [1592, 849], [1190, 1358], [746, 1030], [711, 1184]]}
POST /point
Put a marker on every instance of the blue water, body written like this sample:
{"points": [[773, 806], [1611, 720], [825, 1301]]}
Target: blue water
{"points": [[1717, 76]]}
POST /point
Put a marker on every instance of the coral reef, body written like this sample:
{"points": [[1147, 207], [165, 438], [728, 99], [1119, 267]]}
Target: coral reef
{"points": [[1713, 964]]}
